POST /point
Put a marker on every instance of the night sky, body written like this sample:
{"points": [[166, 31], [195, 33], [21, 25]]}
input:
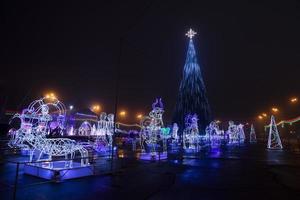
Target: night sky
{"points": [[249, 53]]}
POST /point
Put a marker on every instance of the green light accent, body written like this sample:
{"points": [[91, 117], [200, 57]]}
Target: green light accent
{"points": [[165, 131]]}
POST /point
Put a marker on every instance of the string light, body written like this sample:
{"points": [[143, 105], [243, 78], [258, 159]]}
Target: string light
{"points": [[290, 122]]}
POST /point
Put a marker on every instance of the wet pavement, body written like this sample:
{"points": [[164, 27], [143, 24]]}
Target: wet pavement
{"points": [[246, 172]]}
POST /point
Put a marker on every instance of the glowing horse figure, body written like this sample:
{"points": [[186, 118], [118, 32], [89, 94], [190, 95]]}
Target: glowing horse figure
{"points": [[151, 126], [33, 130], [191, 133]]}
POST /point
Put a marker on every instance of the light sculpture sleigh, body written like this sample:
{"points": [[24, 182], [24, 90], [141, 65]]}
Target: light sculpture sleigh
{"points": [[34, 128]]}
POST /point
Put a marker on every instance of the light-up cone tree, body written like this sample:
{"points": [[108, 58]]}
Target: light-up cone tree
{"points": [[192, 93], [274, 141], [252, 135]]}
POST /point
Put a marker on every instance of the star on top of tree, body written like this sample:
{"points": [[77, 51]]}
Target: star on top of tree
{"points": [[190, 34]]}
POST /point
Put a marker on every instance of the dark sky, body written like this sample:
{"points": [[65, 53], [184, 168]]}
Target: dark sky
{"points": [[249, 52]]}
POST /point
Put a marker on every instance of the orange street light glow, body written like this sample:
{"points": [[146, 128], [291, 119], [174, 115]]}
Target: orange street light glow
{"points": [[50, 96], [122, 113], [139, 116], [260, 117], [96, 108], [294, 100], [264, 114], [274, 109]]}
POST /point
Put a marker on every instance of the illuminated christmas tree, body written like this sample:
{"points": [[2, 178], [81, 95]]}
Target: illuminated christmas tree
{"points": [[192, 93], [252, 134], [274, 141]]}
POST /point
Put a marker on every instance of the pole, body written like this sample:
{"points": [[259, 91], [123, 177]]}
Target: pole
{"points": [[116, 101], [16, 182]]}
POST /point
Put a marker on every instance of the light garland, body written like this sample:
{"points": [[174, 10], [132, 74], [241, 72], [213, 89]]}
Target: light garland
{"points": [[290, 122], [129, 125]]}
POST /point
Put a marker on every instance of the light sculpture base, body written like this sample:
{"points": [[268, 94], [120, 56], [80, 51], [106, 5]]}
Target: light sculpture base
{"points": [[192, 150], [25, 152], [58, 172], [154, 156]]}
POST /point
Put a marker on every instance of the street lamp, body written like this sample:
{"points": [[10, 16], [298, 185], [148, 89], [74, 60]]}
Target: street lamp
{"points": [[260, 117], [122, 113], [71, 107], [139, 116], [50, 96], [96, 108], [294, 100], [275, 110]]}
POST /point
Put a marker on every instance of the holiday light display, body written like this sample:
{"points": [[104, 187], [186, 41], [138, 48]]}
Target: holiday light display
{"points": [[133, 135], [274, 141], [151, 127], [214, 135], [235, 133], [104, 132], [283, 122], [85, 129], [252, 135], [192, 93], [34, 128], [165, 135], [175, 135], [191, 136], [241, 133]]}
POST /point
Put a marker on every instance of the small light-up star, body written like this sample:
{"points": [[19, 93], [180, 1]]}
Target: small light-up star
{"points": [[191, 33]]}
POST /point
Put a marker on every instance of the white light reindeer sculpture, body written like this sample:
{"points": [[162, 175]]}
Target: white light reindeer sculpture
{"points": [[33, 131]]}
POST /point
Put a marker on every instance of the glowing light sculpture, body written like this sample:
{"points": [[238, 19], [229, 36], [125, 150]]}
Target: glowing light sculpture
{"points": [[151, 128], [34, 128], [191, 137], [133, 134], [104, 132], [233, 133], [241, 133], [175, 135], [85, 129], [214, 135], [192, 93], [252, 135], [165, 135], [274, 141]]}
